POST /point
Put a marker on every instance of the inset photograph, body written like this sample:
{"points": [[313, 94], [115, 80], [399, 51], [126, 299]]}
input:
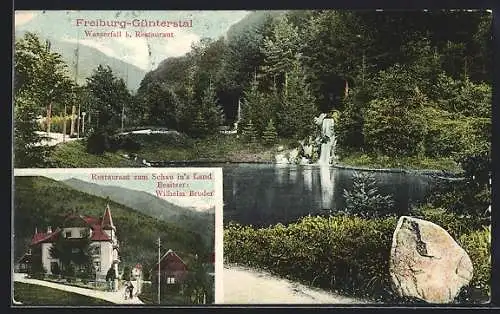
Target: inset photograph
{"points": [[86, 237]]}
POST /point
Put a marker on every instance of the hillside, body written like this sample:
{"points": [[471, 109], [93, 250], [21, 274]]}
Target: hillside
{"points": [[152, 206], [40, 202], [90, 58]]}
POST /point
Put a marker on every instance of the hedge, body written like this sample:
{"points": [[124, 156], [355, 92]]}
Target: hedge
{"points": [[343, 254]]}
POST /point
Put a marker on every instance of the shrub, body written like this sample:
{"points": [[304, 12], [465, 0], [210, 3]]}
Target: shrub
{"points": [[478, 245], [364, 200], [342, 253], [98, 143]]}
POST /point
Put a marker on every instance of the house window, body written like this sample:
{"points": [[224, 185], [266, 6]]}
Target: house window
{"points": [[83, 233], [97, 266], [170, 280], [68, 234], [96, 250]]}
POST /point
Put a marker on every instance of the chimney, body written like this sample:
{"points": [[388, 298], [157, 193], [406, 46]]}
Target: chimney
{"points": [[36, 230], [49, 229]]}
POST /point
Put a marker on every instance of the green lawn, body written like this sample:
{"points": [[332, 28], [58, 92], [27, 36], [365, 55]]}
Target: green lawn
{"points": [[29, 294], [73, 155], [416, 163]]}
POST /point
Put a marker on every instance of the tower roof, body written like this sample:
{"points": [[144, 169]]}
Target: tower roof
{"points": [[107, 220]]}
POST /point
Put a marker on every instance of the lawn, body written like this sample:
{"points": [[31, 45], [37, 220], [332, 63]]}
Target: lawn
{"points": [[29, 294]]}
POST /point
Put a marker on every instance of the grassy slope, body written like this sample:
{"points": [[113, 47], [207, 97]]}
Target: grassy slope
{"points": [[40, 202], [29, 294], [224, 148], [73, 155], [364, 160]]}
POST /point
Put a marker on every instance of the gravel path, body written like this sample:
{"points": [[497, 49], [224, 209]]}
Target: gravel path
{"points": [[114, 297], [248, 286]]}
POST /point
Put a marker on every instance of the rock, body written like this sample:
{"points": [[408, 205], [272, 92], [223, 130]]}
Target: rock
{"points": [[426, 263]]}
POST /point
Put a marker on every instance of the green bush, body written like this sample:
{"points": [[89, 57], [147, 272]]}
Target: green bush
{"points": [[98, 143], [478, 245], [344, 253], [364, 200], [338, 253]]}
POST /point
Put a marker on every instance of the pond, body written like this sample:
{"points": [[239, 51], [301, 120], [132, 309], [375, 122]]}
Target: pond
{"points": [[264, 194]]}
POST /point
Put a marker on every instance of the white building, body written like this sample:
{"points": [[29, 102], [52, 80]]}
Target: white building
{"points": [[101, 231]]}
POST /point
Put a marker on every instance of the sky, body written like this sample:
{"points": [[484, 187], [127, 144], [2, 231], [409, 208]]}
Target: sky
{"points": [[149, 186], [62, 25]]}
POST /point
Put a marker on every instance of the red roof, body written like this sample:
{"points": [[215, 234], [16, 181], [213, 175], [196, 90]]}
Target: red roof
{"points": [[107, 221], [172, 261], [97, 225], [42, 237]]}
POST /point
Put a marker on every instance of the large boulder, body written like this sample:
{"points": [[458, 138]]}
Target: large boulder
{"points": [[426, 263]]}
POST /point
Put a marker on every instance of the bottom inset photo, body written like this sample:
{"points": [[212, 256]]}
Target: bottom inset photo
{"points": [[94, 237]]}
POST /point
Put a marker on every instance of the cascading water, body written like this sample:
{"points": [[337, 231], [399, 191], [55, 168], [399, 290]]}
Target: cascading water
{"points": [[327, 148]]}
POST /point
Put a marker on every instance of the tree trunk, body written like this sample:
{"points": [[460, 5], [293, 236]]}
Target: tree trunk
{"points": [[49, 117], [73, 113]]}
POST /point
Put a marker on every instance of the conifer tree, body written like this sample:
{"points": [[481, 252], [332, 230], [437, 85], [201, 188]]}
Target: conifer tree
{"points": [[296, 115], [255, 107], [212, 112], [269, 136], [249, 132], [199, 127]]}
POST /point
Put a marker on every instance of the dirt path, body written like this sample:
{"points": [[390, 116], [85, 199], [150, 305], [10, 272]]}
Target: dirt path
{"points": [[243, 285], [114, 297]]}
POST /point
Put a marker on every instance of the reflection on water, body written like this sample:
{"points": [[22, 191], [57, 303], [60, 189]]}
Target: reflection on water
{"points": [[263, 194], [327, 191]]}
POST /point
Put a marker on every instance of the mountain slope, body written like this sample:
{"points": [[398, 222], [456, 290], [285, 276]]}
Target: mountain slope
{"points": [[202, 222], [89, 59], [40, 202]]}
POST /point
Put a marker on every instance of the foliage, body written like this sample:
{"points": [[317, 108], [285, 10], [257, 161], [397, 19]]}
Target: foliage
{"points": [[364, 200], [127, 271], [339, 253], [270, 136], [295, 117], [27, 149], [342, 253], [255, 108], [249, 132], [478, 245], [108, 95], [98, 142]]}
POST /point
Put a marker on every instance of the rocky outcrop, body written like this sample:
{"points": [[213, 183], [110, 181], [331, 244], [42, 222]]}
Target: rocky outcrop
{"points": [[426, 263]]}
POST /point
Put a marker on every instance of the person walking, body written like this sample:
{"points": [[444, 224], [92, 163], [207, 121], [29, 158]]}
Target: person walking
{"points": [[110, 278]]}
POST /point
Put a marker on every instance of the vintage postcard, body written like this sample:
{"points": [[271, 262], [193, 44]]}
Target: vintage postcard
{"points": [[355, 149], [85, 237]]}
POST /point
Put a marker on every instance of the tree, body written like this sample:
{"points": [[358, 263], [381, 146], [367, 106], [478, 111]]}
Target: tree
{"points": [[269, 136], [160, 104], [280, 50], [249, 132], [255, 108], [364, 200], [295, 118], [199, 127], [27, 149], [72, 252], [212, 112], [40, 81], [109, 95]]}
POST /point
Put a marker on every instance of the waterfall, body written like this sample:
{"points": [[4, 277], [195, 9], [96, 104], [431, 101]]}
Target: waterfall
{"points": [[328, 147], [238, 116]]}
